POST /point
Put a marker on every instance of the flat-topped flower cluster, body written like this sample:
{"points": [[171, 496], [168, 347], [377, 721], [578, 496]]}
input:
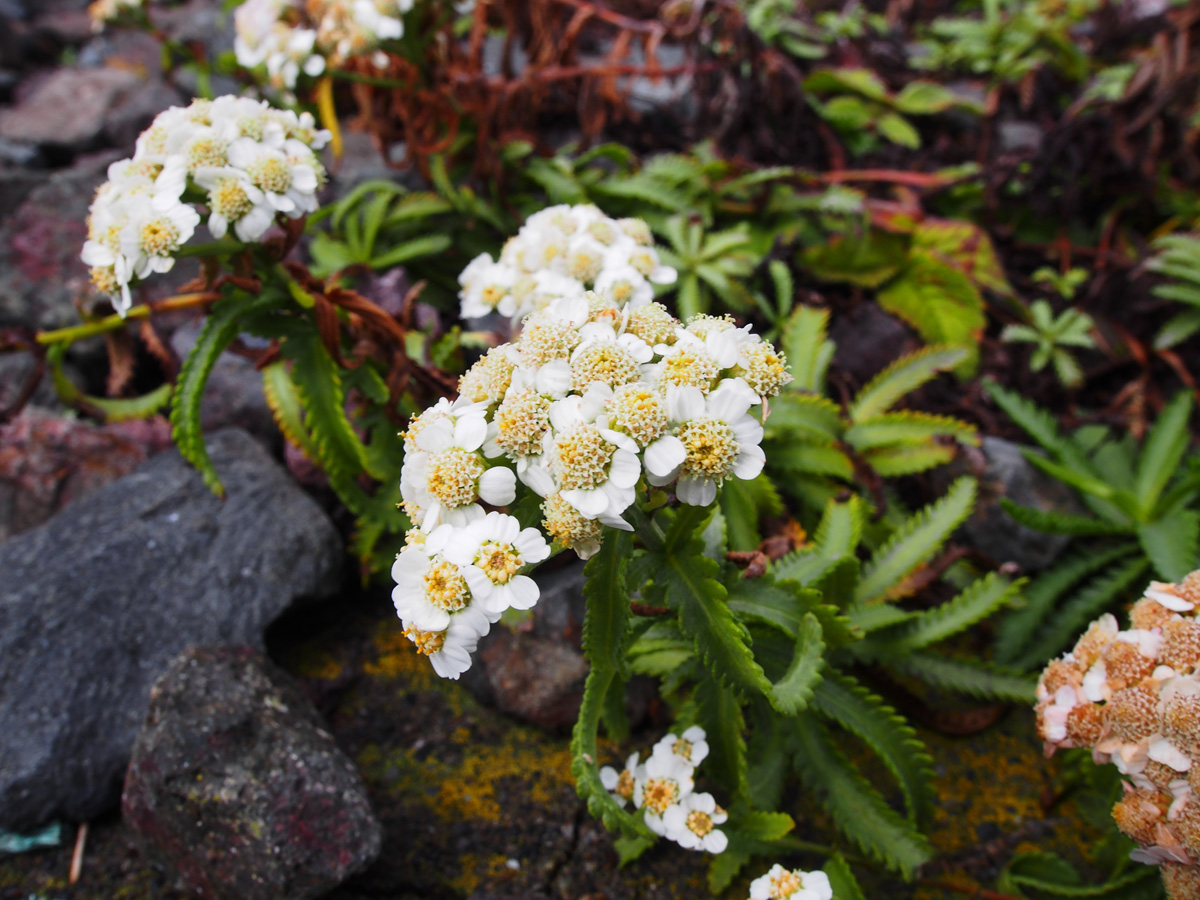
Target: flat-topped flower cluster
{"points": [[242, 159], [663, 788], [593, 400], [565, 251], [294, 37], [1133, 696]]}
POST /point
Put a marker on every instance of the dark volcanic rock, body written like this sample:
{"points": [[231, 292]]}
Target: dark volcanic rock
{"points": [[68, 110], [1004, 472], [48, 461], [536, 679], [41, 273], [235, 785], [868, 339], [95, 603]]}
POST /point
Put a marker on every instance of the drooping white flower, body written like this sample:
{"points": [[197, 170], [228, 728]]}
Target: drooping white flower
{"points": [[692, 822]]}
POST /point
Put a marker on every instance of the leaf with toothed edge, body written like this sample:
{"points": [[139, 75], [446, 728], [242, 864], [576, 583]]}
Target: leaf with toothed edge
{"points": [[222, 325], [847, 703], [857, 808]]}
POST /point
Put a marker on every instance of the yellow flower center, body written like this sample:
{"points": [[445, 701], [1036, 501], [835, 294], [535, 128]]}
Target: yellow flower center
{"points": [[711, 448], [585, 266], [582, 458], [427, 642], [522, 419], [644, 261], [624, 786], [608, 362], [493, 294], [603, 232], [229, 199], [638, 411], [659, 794], [690, 366], [159, 237], [205, 151], [271, 174], [500, 562], [452, 476], [445, 588], [682, 748], [699, 823], [785, 884], [564, 524], [105, 279]]}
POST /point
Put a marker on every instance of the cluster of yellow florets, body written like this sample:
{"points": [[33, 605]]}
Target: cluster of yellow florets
{"points": [[1133, 696]]}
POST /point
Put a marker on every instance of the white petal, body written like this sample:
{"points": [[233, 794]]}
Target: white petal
{"points": [[523, 592], [625, 469], [749, 462], [696, 491], [664, 457], [498, 486]]}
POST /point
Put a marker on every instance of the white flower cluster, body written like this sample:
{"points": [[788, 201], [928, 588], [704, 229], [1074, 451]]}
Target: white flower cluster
{"points": [[782, 884], [565, 251], [663, 788], [452, 584], [292, 36], [243, 160], [1133, 696], [590, 400]]}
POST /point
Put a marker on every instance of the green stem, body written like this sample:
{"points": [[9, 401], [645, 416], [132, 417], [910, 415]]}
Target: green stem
{"points": [[116, 322]]}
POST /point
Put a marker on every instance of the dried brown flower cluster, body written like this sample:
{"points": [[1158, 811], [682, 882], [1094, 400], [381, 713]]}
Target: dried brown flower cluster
{"points": [[1133, 696]]}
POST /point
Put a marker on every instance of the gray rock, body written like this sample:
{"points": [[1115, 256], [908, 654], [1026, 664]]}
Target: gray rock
{"points": [[234, 394], [95, 604], [236, 787], [67, 110], [48, 461], [868, 339], [135, 112], [1006, 473], [41, 274], [1020, 137], [535, 672]]}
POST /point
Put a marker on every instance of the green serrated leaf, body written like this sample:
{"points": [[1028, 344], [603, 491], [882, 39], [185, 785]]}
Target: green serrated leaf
{"points": [[720, 713], [1039, 425], [804, 340], [414, 248], [893, 462], [743, 503], [1172, 543], [857, 808], [606, 619], [916, 541], [977, 602], [793, 691], [940, 302], [842, 880], [1049, 522], [284, 403], [722, 643], [903, 377], [967, 677], [319, 385], [220, 328], [909, 426], [1162, 452], [848, 704]]}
